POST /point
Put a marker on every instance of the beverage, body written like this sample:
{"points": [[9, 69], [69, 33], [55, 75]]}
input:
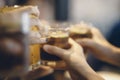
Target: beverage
{"points": [[34, 48], [80, 32], [59, 39], [34, 56]]}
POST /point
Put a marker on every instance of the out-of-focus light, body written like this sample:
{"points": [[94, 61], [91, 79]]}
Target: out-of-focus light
{"points": [[16, 6]]}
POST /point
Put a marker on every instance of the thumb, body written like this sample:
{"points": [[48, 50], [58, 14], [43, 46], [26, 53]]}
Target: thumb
{"points": [[55, 51]]}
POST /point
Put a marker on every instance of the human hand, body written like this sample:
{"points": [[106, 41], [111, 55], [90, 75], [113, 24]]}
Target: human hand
{"points": [[71, 56], [13, 13], [97, 44], [100, 47], [32, 75], [75, 61], [38, 73]]}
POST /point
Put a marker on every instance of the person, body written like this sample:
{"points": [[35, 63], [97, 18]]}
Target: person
{"points": [[75, 59]]}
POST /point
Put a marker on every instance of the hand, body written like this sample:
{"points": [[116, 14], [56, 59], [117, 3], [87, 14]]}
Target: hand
{"points": [[75, 61], [71, 56], [97, 44], [13, 14], [15, 48], [101, 48], [38, 73], [32, 75]]}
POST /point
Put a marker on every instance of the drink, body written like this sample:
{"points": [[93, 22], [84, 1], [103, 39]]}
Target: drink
{"points": [[59, 39], [80, 32], [34, 56], [34, 48]]}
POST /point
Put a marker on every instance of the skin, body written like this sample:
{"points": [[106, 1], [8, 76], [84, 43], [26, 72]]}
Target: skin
{"points": [[75, 61], [14, 14], [101, 48]]}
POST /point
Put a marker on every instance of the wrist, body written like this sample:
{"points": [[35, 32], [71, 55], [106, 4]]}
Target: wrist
{"points": [[85, 72], [113, 55], [115, 49]]}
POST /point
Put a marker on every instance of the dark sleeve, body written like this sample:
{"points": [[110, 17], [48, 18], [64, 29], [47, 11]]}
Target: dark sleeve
{"points": [[114, 37]]}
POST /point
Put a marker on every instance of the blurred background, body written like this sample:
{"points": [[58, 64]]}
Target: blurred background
{"points": [[103, 14]]}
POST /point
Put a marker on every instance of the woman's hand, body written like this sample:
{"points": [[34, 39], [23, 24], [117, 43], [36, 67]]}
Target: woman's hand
{"points": [[75, 61], [71, 56], [101, 48]]}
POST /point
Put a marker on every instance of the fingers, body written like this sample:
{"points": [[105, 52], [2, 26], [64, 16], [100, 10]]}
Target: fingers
{"points": [[72, 42], [86, 42], [45, 69], [55, 51], [40, 72], [96, 33], [14, 15], [33, 10], [35, 21], [74, 45], [59, 65]]}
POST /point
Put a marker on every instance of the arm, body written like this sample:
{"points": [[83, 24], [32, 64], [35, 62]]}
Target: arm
{"points": [[75, 60], [101, 48]]}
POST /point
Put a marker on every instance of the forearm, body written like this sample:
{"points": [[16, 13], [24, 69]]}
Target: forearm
{"points": [[114, 57], [84, 72], [111, 54]]}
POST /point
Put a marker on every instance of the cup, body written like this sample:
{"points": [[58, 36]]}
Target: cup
{"points": [[57, 35], [34, 48], [80, 31]]}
